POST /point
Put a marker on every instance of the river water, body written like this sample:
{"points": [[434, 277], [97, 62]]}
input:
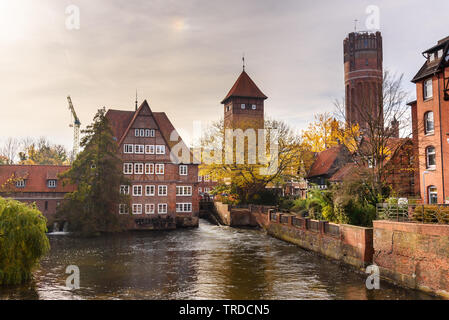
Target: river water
{"points": [[211, 262]]}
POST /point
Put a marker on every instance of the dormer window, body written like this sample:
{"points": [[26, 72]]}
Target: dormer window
{"points": [[440, 53], [428, 90], [51, 183], [243, 106], [21, 183], [431, 57]]}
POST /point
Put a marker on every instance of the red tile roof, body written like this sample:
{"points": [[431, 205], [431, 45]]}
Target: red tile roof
{"points": [[343, 172], [324, 161], [36, 177], [244, 87]]}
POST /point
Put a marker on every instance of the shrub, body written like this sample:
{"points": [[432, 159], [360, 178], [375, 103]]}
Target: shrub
{"points": [[22, 241], [431, 214]]}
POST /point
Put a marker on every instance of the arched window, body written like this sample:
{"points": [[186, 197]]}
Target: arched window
{"points": [[429, 125], [433, 194], [430, 157]]}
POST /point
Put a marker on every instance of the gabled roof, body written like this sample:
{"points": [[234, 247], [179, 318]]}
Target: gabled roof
{"points": [[344, 172], [324, 161], [121, 122], [431, 67], [36, 177], [244, 87]]}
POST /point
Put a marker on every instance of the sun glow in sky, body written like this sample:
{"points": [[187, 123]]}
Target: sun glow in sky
{"points": [[184, 56]]}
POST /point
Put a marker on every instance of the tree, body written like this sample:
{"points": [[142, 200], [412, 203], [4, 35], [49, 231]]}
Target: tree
{"points": [[42, 152], [22, 241], [9, 150], [248, 179], [378, 142], [93, 207]]}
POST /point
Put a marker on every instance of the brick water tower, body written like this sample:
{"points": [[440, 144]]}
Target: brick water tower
{"points": [[363, 77]]}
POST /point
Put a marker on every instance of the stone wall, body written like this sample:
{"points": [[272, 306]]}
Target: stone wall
{"points": [[413, 255], [252, 216]]}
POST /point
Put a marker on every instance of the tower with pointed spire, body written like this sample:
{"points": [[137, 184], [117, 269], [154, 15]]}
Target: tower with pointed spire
{"points": [[244, 105]]}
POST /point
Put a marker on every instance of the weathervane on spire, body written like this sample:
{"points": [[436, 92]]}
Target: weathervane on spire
{"points": [[243, 60], [355, 25], [136, 100]]}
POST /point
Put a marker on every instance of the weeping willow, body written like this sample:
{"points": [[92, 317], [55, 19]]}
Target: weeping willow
{"points": [[22, 241]]}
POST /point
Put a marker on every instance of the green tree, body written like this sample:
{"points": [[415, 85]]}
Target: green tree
{"points": [[42, 152], [22, 241], [93, 207]]}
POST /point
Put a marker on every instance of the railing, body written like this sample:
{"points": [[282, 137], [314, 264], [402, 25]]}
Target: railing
{"points": [[313, 225], [431, 213], [332, 229], [297, 222], [284, 219]]}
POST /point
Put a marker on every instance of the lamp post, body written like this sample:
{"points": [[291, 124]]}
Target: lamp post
{"points": [[424, 186]]}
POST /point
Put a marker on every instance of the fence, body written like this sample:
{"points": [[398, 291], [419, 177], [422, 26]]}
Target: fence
{"points": [[333, 229], [433, 213]]}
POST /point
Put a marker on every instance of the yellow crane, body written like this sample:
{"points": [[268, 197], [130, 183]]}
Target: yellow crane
{"points": [[76, 128]]}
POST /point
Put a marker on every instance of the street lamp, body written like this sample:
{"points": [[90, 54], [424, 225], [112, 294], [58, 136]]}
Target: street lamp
{"points": [[424, 186]]}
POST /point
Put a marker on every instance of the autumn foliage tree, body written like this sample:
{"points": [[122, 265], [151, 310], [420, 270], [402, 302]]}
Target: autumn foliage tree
{"points": [[93, 207]]}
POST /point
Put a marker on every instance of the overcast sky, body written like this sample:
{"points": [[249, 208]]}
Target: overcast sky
{"points": [[183, 56]]}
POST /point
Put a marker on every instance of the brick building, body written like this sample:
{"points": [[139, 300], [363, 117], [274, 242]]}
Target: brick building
{"points": [[35, 183], [164, 183], [430, 118], [363, 61]]}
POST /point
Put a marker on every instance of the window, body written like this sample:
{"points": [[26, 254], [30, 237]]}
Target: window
{"points": [[160, 149], [149, 168], [206, 190], [152, 133], [147, 132], [128, 148], [200, 190], [227, 108], [371, 162], [138, 168], [136, 132], [429, 125], [51, 183], [150, 190], [149, 208], [20, 183], [430, 157], [160, 168], [183, 170], [142, 132], [200, 178], [183, 207], [243, 106], [149, 149], [162, 208], [128, 168], [124, 189], [139, 149], [137, 191], [433, 195], [137, 209], [254, 107], [428, 92], [162, 190], [183, 190], [206, 178], [123, 209]]}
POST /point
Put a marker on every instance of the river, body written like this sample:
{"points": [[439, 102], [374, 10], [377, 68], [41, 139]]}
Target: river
{"points": [[211, 262]]}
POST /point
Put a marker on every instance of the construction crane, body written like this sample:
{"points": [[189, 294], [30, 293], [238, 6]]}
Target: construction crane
{"points": [[76, 128]]}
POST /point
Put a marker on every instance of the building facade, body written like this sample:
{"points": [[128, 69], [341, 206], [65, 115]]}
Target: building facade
{"points": [[430, 118], [363, 64], [35, 184], [163, 182]]}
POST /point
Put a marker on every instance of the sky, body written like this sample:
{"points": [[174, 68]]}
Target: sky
{"points": [[183, 56]]}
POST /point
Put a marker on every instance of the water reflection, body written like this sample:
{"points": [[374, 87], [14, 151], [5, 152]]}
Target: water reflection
{"points": [[210, 262]]}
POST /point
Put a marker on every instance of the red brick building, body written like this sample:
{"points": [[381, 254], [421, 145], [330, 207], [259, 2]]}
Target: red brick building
{"points": [[430, 117], [35, 183], [164, 184]]}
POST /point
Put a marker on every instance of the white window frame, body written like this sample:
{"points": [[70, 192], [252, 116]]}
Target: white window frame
{"points": [[434, 153], [138, 168], [243, 106], [139, 149], [427, 122], [254, 107], [150, 208], [162, 208], [207, 178], [20, 183], [200, 189], [142, 132], [184, 207], [183, 170], [128, 168], [206, 190], [147, 133], [137, 190], [149, 149], [150, 190], [200, 178], [137, 208], [124, 189], [152, 133], [160, 149], [164, 190], [51, 183], [157, 168], [136, 132], [183, 191], [149, 168], [428, 86], [128, 148], [123, 209]]}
